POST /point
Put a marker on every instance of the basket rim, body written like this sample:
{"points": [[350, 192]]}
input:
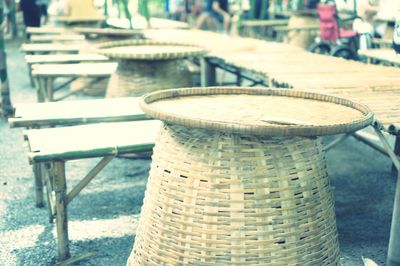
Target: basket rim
{"points": [[108, 31], [265, 130], [196, 50]]}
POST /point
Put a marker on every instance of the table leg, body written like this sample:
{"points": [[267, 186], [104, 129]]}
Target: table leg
{"points": [[208, 73], [37, 171], [60, 188], [394, 241]]}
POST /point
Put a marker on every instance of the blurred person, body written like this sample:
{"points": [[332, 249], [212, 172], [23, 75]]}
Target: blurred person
{"points": [[215, 11], [42, 5], [30, 12]]}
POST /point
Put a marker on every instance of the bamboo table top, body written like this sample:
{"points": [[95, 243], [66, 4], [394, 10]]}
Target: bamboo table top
{"points": [[285, 66], [71, 70], [64, 58], [259, 111], [94, 140], [77, 112], [383, 55], [52, 47], [46, 38]]}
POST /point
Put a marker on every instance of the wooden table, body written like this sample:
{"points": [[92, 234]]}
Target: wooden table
{"points": [[53, 148], [61, 58], [47, 73]]}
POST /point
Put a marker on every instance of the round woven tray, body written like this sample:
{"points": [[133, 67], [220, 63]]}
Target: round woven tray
{"points": [[148, 50], [108, 32], [257, 111]]}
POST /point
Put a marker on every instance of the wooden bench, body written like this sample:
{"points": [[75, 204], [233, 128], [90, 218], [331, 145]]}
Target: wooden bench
{"points": [[47, 73], [49, 38], [46, 48], [67, 113], [384, 56], [61, 58], [50, 114], [45, 30], [51, 148]]}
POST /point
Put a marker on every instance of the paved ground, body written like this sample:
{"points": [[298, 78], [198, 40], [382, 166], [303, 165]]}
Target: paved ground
{"points": [[103, 218]]}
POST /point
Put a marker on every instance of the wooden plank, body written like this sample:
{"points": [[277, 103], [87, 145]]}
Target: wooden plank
{"points": [[46, 30], [48, 38], [95, 140], [73, 70], [64, 58], [52, 47]]}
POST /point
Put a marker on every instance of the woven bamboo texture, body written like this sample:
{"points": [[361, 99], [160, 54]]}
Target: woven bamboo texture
{"points": [[148, 50], [257, 111], [217, 198], [136, 78], [146, 66], [302, 38], [108, 32]]}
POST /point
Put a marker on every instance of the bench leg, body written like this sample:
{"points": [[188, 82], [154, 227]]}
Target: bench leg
{"points": [[49, 89], [60, 188], [38, 173], [394, 241], [397, 152], [40, 90], [30, 75]]}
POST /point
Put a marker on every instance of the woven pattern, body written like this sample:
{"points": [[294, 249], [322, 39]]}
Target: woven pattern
{"points": [[257, 111], [135, 78], [227, 199], [148, 50]]}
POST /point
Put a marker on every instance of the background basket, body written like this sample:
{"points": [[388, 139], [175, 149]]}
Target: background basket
{"points": [[145, 66]]}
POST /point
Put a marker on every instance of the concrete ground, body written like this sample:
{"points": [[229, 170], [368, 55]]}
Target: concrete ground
{"points": [[103, 218]]}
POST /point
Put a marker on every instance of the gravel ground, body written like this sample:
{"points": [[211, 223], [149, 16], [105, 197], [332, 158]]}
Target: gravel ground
{"points": [[103, 218]]}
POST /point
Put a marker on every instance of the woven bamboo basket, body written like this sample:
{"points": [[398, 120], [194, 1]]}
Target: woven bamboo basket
{"points": [[145, 66], [302, 38], [231, 185]]}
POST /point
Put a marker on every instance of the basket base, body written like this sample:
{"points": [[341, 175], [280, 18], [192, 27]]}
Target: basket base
{"points": [[229, 199]]}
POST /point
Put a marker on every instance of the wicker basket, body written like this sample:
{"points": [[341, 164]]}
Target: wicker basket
{"points": [[226, 195], [302, 38], [146, 66]]}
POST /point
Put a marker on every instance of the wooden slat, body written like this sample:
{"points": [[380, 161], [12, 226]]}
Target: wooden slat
{"points": [[93, 140], [56, 38], [52, 47], [77, 112], [64, 58], [70, 70]]}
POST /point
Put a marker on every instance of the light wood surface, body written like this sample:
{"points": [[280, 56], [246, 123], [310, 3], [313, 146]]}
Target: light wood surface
{"points": [[95, 140], [77, 112]]}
